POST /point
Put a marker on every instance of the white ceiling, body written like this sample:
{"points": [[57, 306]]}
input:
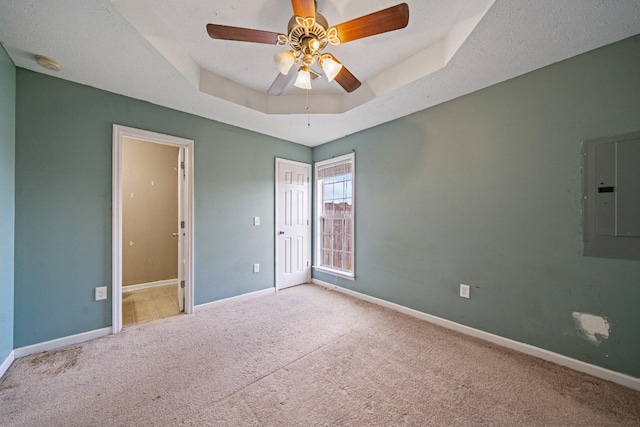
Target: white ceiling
{"points": [[158, 51]]}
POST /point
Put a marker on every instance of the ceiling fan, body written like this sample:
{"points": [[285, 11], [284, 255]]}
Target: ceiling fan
{"points": [[308, 35]]}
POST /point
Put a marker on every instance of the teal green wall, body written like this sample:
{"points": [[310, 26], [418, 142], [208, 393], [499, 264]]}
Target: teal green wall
{"points": [[7, 199], [63, 203], [485, 190]]}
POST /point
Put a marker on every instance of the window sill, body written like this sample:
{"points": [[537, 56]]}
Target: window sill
{"points": [[333, 272]]}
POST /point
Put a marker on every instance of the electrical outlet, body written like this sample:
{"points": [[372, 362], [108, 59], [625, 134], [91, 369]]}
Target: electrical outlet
{"points": [[465, 291], [101, 293], [256, 220], [256, 268]]}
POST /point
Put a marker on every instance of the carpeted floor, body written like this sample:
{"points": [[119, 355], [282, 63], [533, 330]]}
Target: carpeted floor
{"points": [[302, 357]]}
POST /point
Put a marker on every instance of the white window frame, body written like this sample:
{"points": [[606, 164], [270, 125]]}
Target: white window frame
{"points": [[350, 275]]}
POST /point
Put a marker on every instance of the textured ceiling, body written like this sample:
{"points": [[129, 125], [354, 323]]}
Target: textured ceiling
{"points": [[159, 51]]}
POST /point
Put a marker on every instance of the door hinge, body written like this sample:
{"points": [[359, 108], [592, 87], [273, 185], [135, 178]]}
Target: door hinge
{"points": [[181, 224], [307, 263], [307, 222], [182, 284], [181, 165], [308, 179]]}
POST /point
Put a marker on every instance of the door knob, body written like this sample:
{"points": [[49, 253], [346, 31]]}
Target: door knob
{"points": [[281, 232], [175, 234]]}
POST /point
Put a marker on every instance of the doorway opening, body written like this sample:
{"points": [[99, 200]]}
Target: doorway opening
{"points": [[152, 226]]}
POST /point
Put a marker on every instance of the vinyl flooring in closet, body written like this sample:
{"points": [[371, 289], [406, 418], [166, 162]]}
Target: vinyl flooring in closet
{"points": [[144, 305]]}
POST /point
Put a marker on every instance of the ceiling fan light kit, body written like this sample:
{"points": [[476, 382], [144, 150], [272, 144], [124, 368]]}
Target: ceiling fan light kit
{"points": [[330, 66], [284, 61], [308, 35], [303, 81]]}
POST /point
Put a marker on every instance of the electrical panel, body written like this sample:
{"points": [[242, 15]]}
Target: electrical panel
{"points": [[611, 196]]}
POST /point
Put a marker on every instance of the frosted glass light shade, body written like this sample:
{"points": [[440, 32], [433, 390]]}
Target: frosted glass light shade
{"points": [[303, 81], [331, 67], [284, 61]]}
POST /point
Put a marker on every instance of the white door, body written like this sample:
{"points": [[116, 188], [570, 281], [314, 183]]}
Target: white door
{"points": [[293, 228], [181, 228]]}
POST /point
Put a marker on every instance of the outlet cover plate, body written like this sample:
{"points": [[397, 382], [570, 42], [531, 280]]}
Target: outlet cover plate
{"points": [[465, 291], [101, 293], [256, 268]]}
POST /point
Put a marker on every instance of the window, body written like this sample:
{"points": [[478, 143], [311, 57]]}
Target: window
{"points": [[335, 215]]}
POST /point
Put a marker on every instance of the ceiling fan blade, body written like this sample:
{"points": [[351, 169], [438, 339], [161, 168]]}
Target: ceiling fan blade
{"points": [[304, 8], [280, 83], [348, 81], [382, 21], [314, 74], [224, 32]]}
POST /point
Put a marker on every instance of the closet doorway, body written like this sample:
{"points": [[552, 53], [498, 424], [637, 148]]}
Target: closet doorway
{"points": [[152, 238]]}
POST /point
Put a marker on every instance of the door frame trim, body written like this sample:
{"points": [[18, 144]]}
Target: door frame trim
{"points": [[277, 266], [119, 132]]}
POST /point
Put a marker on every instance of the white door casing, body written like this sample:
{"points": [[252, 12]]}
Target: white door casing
{"points": [[185, 203], [292, 223]]}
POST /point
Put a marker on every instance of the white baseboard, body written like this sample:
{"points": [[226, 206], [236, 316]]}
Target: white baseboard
{"points": [[61, 342], [139, 286], [7, 362], [98, 333], [577, 365], [206, 305]]}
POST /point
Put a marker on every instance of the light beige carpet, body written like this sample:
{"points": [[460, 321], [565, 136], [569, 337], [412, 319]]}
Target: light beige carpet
{"points": [[303, 357]]}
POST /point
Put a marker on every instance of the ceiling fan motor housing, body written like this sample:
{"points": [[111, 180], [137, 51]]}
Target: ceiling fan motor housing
{"points": [[300, 36]]}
